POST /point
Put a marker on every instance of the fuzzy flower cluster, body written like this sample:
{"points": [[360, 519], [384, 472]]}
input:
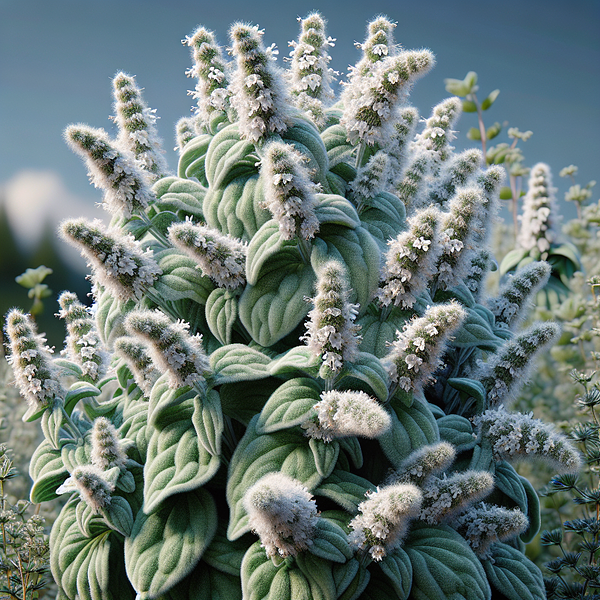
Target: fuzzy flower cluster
{"points": [[347, 413], [457, 235], [411, 185], [415, 354], [30, 358], [185, 130], [446, 496], [454, 174], [126, 186], [479, 268], [138, 361], [537, 228], [371, 179], [485, 524], [117, 261], [210, 70], [258, 92], [332, 334], [90, 483], [505, 373], [489, 181], [398, 143], [219, 256], [384, 518], [370, 102], [438, 133], [378, 45], [82, 345], [106, 447], [137, 133], [517, 435], [410, 260], [510, 304], [170, 346], [289, 192], [283, 514], [311, 75], [421, 464]]}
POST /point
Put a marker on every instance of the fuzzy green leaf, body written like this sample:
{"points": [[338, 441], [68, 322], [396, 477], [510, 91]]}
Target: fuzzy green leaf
{"points": [[346, 489], [330, 542], [221, 313], [397, 567], [48, 472], [336, 210], [325, 455], [384, 217], [224, 555], [238, 362], [299, 359], [369, 369], [458, 431], [206, 583], [490, 100]]}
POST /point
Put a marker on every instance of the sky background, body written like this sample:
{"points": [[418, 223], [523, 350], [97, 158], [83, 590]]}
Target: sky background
{"points": [[57, 59]]}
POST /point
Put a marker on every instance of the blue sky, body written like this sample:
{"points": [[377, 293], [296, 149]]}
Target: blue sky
{"points": [[57, 60]]}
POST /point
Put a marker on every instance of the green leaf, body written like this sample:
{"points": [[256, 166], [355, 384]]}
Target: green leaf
{"points": [[332, 209], [469, 106], [458, 431], [224, 555], [444, 566], [206, 583], [166, 544], [505, 193], [384, 217], [508, 481], [513, 574], [339, 150], [119, 516], [493, 131], [242, 402], [346, 489], [456, 87], [221, 313], [193, 151], [238, 362], [291, 404], [183, 197], [470, 388], [330, 542], [470, 80], [490, 100], [568, 251], [325, 455], [512, 259], [299, 359], [208, 421], [305, 137], [474, 134], [78, 391], [369, 369], [475, 331], [398, 569], [350, 579], [377, 334], [258, 454], [48, 472], [533, 511]]}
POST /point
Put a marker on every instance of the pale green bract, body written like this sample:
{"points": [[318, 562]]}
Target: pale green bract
{"points": [[266, 351]]}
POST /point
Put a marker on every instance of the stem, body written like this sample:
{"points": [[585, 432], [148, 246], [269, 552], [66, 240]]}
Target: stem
{"points": [[481, 129], [360, 154], [515, 199], [4, 543], [305, 249], [158, 236]]}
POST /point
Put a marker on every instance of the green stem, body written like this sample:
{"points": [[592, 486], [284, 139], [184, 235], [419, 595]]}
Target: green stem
{"points": [[481, 130], [158, 236]]}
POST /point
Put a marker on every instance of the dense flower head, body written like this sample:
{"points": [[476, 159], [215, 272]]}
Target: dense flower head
{"points": [[371, 179], [370, 101], [211, 72], [185, 130], [410, 260], [106, 447], [444, 496], [311, 76], [520, 289], [347, 413], [331, 332], [170, 346], [456, 236], [137, 133], [90, 483], [484, 524], [415, 354], [283, 514], [397, 144], [384, 518], [411, 185], [475, 279], [117, 261], [82, 345], [516, 435], [219, 256], [421, 464], [456, 173], [505, 373], [378, 45], [289, 192], [30, 358], [258, 92], [139, 362], [539, 208], [126, 186]]}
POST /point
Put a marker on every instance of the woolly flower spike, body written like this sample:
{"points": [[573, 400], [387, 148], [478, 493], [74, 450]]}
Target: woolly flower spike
{"points": [[477, 271], [410, 186], [89, 482], [371, 179], [416, 352], [384, 518], [117, 261], [185, 131], [283, 513], [332, 334], [484, 524], [126, 187], [508, 307], [457, 234], [220, 256], [311, 75], [397, 144], [537, 227], [258, 92], [421, 464], [137, 133], [444, 497], [106, 448], [289, 192], [505, 373], [410, 260], [35, 375], [342, 414], [139, 362], [370, 101], [378, 45], [516, 435], [170, 346], [83, 345], [210, 69], [455, 174], [438, 130]]}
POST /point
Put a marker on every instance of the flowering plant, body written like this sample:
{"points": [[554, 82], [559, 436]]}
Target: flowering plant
{"points": [[276, 349]]}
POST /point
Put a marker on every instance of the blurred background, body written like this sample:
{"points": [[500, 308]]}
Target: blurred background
{"points": [[57, 60]]}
